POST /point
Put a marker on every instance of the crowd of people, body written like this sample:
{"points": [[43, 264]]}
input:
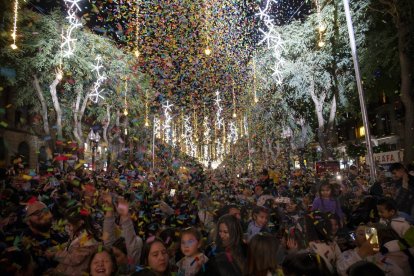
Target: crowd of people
{"points": [[186, 220]]}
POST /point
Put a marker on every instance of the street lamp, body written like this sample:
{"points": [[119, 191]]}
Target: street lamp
{"points": [[94, 139]]}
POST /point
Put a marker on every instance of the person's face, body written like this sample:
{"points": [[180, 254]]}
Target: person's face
{"points": [[235, 212], [325, 192], [334, 226], [101, 264], [224, 234], [41, 220], [291, 207], [189, 245], [121, 258], [258, 190], [397, 174], [360, 181], [158, 257], [72, 228], [261, 219], [384, 213], [360, 237]]}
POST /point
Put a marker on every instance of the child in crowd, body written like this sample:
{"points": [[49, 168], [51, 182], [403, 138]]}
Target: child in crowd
{"points": [[194, 260], [327, 203], [260, 218], [388, 213]]}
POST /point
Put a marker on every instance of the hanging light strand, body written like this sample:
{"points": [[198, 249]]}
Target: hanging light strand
{"points": [[167, 121], [273, 40], [96, 93], [68, 43], [321, 25], [234, 102], [255, 99], [125, 99], [14, 33], [137, 53], [146, 109]]}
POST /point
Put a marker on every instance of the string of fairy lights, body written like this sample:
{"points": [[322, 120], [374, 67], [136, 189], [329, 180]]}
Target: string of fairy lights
{"points": [[273, 40], [226, 133], [97, 92]]}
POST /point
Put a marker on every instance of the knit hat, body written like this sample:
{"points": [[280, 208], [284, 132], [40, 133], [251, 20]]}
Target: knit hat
{"points": [[33, 207]]}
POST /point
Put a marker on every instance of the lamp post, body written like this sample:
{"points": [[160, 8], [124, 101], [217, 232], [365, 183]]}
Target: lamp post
{"points": [[360, 90], [94, 138]]}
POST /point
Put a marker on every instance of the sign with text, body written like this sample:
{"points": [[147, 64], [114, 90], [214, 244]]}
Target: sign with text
{"points": [[388, 157]]}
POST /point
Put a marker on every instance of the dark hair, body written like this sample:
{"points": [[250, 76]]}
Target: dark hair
{"points": [[192, 231], [305, 264], [121, 245], [364, 268], [76, 214], [225, 210], [396, 167], [111, 255], [318, 227], [146, 250], [12, 262], [168, 236], [235, 238], [234, 228], [259, 209], [261, 256], [388, 203], [325, 184]]}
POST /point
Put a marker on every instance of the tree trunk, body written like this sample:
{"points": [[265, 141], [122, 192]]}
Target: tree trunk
{"points": [[58, 110], [43, 103], [318, 102], [106, 125], [324, 133], [76, 118], [330, 127], [406, 64], [82, 112]]}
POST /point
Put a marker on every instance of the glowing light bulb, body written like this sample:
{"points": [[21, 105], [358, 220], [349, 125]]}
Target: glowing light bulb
{"points": [[137, 53], [322, 28], [256, 100], [234, 115], [207, 51], [13, 46], [126, 112], [59, 75], [146, 123], [321, 43]]}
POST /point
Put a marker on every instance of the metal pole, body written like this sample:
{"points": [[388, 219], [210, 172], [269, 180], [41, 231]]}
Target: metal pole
{"points": [[153, 144], [93, 156], [360, 90]]}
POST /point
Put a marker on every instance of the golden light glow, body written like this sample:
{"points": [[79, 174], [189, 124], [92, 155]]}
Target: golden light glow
{"points": [[207, 51], [59, 75], [137, 53], [234, 115], [16, 7], [321, 43], [126, 112], [361, 131], [322, 28]]}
